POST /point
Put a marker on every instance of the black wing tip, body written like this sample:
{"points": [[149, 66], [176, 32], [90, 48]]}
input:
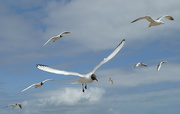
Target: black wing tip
{"points": [[171, 18], [37, 65], [121, 42]]}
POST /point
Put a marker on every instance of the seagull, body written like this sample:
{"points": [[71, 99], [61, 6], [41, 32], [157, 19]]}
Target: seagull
{"points": [[14, 105], [154, 22], [159, 65], [111, 80], [56, 37], [84, 78], [139, 64], [36, 85]]}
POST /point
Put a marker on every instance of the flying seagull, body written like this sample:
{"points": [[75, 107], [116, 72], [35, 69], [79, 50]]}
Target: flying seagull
{"points": [[14, 105], [159, 65], [36, 85], [84, 78], [56, 37], [154, 22], [111, 80], [139, 64]]}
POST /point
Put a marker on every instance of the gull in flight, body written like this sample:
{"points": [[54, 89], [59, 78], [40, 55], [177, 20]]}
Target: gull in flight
{"points": [[14, 105], [111, 80], [139, 64], [154, 22], [56, 37], [159, 65], [84, 78], [36, 85]]}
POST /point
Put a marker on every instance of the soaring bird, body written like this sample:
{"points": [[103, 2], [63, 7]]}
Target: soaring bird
{"points": [[36, 85], [139, 64], [14, 105], [154, 22], [159, 65], [56, 37], [84, 78], [110, 79]]}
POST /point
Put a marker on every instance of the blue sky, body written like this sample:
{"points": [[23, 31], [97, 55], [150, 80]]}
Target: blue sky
{"points": [[97, 27]]}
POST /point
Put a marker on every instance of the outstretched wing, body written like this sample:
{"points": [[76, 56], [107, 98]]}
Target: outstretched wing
{"points": [[28, 87], [118, 48], [148, 18], [5, 107], [142, 64], [52, 70], [158, 66], [48, 80], [48, 41], [65, 32], [166, 16], [20, 106]]}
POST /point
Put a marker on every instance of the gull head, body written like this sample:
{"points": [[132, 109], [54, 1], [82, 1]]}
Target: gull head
{"points": [[93, 77], [41, 83]]}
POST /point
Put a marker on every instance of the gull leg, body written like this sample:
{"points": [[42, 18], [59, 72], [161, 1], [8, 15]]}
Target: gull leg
{"points": [[82, 87], [85, 86]]}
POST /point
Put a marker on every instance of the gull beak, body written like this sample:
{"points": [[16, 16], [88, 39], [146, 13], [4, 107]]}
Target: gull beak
{"points": [[96, 80]]}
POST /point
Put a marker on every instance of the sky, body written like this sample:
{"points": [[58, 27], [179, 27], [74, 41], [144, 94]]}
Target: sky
{"points": [[97, 27]]}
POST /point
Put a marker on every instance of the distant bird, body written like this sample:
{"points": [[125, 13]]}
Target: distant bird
{"points": [[111, 80], [84, 78], [56, 37], [36, 85], [159, 65], [139, 64], [154, 22], [14, 105]]}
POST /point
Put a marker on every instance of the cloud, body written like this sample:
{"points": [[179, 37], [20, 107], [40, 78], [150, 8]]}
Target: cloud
{"points": [[67, 97], [96, 28], [107, 22]]}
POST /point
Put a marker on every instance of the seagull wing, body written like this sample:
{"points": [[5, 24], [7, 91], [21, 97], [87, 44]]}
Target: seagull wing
{"points": [[158, 66], [28, 87], [166, 16], [52, 70], [135, 65], [112, 82], [118, 48], [48, 80], [5, 107], [148, 18], [142, 64], [48, 41], [20, 106], [65, 32]]}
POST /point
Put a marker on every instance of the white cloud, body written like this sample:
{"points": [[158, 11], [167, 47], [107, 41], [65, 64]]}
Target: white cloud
{"points": [[63, 97], [107, 22]]}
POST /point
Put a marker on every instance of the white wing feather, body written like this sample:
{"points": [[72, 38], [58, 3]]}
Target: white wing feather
{"points": [[52, 70], [118, 48], [48, 41], [28, 87], [166, 16], [148, 18], [48, 80], [158, 66], [65, 32]]}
